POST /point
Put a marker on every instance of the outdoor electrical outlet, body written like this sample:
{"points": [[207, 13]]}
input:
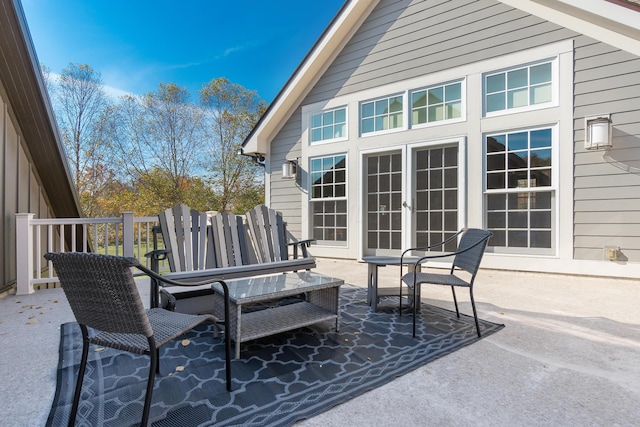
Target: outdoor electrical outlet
{"points": [[611, 253]]}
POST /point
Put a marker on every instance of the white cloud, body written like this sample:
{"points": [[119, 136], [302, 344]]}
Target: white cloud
{"points": [[114, 93], [111, 91]]}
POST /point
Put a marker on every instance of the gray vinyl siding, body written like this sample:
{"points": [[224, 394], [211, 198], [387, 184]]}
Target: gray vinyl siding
{"points": [[406, 39], [10, 194], [3, 119], [21, 191], [607, 183], [399, 42], [285, 195]]}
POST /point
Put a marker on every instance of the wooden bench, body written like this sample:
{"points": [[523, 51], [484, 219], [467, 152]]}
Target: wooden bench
{"points": [[198, 246]]}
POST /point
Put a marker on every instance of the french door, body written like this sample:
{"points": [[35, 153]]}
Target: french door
{"points": [[412, 197]]}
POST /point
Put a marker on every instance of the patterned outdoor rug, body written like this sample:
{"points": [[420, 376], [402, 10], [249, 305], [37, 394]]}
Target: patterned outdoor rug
{"points": [[278, 381]]}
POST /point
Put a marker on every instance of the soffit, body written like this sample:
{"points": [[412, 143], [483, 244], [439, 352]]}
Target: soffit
{"points": [[615, 22], [30, 105]]}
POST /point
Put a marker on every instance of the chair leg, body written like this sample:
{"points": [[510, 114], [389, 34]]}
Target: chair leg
{"points": [[475, 314], [153, 368], [400, 303], [455, 301], [415, 307], [227, 336], [80, 378]]}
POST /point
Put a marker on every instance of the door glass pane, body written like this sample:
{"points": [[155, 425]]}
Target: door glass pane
{"points": [[384, 206], [434, 200], [435, 209]]}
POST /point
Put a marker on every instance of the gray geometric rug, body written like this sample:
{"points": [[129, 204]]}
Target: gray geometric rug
{"points": [[278, 380]]}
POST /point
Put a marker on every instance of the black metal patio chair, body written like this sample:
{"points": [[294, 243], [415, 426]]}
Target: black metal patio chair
{"points": [[106, 303], [467, 257]]}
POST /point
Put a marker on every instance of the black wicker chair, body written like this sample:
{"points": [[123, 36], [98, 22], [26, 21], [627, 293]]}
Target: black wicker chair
{"points": [[466, 257], [106, 303]]}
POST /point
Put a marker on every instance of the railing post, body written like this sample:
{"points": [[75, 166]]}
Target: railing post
{"points": [[128, 237], [24, 253]]}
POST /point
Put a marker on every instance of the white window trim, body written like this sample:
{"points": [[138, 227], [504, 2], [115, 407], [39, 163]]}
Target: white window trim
{"points": [[405, 112], [478, 125], [407, 150], [326, 110], [463, 110], [555, 88], [327, 243], [554, 187], [461, 143]]}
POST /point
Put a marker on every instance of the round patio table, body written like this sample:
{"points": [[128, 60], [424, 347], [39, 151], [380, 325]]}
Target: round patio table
{"points": [[373, 292]]}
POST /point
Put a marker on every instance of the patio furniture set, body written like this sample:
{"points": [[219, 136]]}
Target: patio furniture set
{"points": [[238, 271]]}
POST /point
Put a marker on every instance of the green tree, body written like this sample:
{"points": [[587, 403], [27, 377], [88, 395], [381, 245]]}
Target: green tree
{"points": [[80, 102], [248, 199], [160, 131], [231, 113]]}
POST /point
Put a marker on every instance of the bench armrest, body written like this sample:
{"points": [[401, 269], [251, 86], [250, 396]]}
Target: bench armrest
{"points": [[303, 244]]}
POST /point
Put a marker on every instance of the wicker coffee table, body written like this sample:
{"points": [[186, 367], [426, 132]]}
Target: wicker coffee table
{"points": [[320, 304]]}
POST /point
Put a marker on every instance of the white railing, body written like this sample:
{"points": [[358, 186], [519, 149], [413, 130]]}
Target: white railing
{"points": [[125, 236]]}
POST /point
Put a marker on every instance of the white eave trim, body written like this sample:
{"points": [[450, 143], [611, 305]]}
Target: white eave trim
{"points": [[611, 23], [308, 74]]}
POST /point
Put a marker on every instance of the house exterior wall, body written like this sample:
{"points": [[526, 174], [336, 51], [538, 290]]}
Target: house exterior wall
{"points": [[607, 183], [21, 190], [405, 45], [284, 194]]}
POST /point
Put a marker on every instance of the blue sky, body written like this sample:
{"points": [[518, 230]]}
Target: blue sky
{"points": [[136, 44]]}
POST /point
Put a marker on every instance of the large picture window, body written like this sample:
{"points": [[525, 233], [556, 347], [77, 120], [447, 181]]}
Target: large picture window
{"points": [[329, 198], [328, 125], [519, 87], [381, 114], [520, 190]]}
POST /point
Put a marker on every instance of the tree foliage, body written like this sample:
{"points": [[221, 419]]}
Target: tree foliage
{"points": [[231, 113], [161, 130], [146, 196], [81, 103], [147, 153]]}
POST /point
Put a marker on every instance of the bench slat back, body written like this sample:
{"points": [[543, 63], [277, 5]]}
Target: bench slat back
{"points": [[268, 233], [184, 233], [230, 240]]}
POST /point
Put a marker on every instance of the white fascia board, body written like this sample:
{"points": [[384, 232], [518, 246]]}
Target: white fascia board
{"points": [[309, 73], [611, 23], [614, 12]]}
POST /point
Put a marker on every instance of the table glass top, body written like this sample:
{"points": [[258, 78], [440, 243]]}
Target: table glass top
{"points": [[280, 284]]}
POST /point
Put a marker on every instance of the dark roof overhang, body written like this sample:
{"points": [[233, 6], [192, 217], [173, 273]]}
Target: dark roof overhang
{"points": [[24, 85]]}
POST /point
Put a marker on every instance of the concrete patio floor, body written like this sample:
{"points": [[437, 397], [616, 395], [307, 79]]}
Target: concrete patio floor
{"points": [[569, 355]]}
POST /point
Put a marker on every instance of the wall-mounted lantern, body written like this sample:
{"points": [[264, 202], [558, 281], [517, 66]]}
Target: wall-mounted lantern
{"points": [[598, 132], [289, 169]]}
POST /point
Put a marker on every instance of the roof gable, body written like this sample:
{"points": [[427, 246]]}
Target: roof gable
{"points": [[328, 46], [616, 23]]}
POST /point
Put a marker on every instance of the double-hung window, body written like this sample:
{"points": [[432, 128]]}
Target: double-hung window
{"points": [[520, 191], [382, 114], [329, 198], [522, 87], [329, 125]]}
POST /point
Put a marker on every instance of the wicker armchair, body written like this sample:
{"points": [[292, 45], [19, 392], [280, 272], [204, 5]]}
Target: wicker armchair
{"points": [[466, 257], [107, 305]]}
